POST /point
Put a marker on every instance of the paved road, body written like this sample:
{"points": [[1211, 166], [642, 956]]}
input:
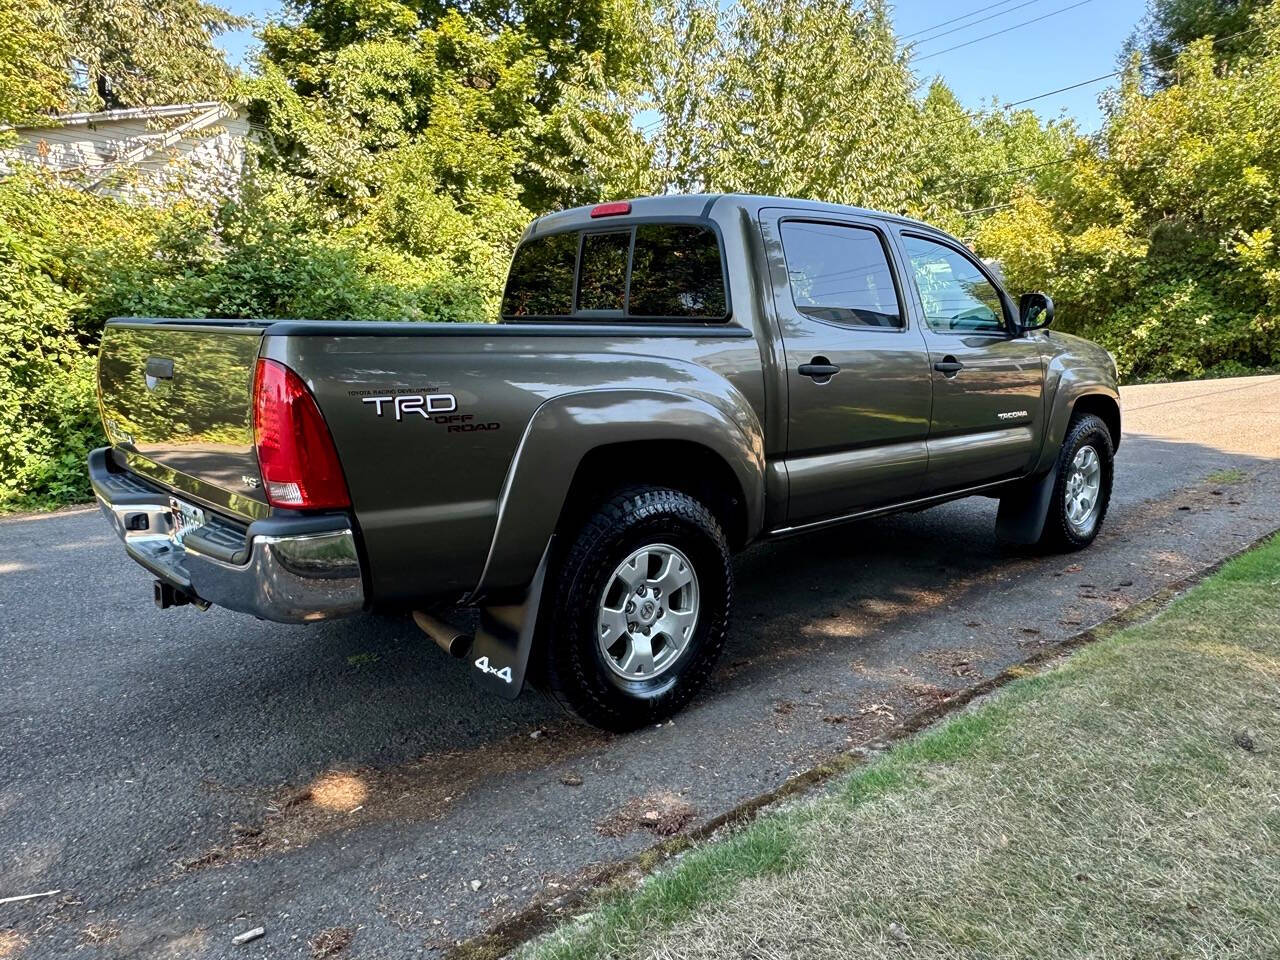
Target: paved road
{"points": [[182, 776]]}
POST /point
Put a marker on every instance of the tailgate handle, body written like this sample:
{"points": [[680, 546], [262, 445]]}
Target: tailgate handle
{"points": [[159, 368]]}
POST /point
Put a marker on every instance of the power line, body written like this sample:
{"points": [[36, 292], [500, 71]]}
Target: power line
{"points": [[1001, 173], [1076, 86], [944, 23], [1016, 26], [966, 26], [961, 118], [990, 209]]}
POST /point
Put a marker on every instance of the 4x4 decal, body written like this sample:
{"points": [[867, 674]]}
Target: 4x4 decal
{"points": [[484, 666]]}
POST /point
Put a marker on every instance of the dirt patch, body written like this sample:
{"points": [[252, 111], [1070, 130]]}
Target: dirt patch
{"points": [[99, 933], [10, 943], [948, 658], [869, 720], [328, 943], [664, 813], [420, 790], [929, 694]]}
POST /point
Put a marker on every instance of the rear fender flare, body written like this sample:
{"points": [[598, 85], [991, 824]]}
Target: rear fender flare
{"points": [[565, 429]]}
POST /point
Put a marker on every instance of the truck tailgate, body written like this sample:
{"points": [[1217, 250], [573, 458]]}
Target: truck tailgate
{"points": [[177, 403]]}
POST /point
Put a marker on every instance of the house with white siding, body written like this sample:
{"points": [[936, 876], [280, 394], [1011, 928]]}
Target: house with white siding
{"points": [[144, 153]]}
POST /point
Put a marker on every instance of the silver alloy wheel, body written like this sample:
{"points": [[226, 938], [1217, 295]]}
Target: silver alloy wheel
{"points": [[1084, 484], [648, 612]]}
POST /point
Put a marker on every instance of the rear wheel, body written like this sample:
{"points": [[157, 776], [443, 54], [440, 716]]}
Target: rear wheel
{"points": [[1082, 486], [641, 608]]}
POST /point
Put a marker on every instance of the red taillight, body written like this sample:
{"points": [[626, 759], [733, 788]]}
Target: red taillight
{"points": [[299, 464], [611, 209]]}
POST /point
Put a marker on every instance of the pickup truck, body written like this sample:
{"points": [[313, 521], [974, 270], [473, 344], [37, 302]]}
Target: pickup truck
{"points": [[673, 378]]}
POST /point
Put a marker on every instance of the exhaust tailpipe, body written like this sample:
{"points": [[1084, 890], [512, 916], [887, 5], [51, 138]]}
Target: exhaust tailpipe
{"points": [[452, 640]]}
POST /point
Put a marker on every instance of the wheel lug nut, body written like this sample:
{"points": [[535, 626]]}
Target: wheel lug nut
{"points": [[631, 606], [657, 591], [641, 591]]}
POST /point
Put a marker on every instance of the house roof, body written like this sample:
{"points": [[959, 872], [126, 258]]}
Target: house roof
{"points": [[132, 113]]}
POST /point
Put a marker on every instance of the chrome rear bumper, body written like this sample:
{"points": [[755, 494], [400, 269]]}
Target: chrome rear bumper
{"points": [[287, 569]]}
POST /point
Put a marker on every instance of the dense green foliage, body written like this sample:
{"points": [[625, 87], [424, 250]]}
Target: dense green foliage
{"points": [[405, 144], [1170, 26], [141, 52], [1160, 240], [32, 80]]}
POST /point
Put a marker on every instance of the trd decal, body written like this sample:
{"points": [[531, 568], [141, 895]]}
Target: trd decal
{"points": [[425, 406], [434, 407]]}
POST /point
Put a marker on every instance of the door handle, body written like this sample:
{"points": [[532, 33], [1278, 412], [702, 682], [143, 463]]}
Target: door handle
{"points": [[820, 368], [948, 366]]}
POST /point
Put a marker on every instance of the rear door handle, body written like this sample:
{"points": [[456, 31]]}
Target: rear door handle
{"points": [[819, 370], [949, 366]]}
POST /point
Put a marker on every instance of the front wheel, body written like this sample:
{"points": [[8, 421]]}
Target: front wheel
{"points": [[1082, 486], [641, 608]]}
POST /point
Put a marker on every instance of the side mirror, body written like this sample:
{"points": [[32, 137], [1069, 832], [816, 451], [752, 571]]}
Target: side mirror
{"points": [[1035, 311]]}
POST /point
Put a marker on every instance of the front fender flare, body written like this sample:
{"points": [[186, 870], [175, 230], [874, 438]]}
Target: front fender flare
{"points": [[1071, 386]]}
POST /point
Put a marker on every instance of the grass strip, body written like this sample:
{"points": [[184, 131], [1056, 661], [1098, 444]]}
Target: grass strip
{"points": [[1123, 803]]}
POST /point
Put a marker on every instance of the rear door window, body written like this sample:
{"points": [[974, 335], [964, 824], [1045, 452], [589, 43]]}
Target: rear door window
{"points": [[653, 271], [840, 274]]}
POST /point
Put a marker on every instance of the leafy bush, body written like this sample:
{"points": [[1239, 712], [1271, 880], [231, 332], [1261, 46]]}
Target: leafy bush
{"points": [[405, 146], [70, 260], [1159, 242], [48, 415]]}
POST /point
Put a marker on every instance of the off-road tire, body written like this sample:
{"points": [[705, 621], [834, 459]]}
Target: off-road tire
{"points": [[1059, 535], [576, 672]]}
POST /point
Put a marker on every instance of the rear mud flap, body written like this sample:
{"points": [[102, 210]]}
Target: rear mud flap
{"points": [[1022, 514], [504, 640]]}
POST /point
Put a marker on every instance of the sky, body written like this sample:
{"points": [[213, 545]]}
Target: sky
{"points": [[1077, 40], [1064, 48]]}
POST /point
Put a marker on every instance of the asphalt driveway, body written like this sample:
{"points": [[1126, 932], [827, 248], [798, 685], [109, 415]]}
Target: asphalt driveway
{"points": [[180, 777]]}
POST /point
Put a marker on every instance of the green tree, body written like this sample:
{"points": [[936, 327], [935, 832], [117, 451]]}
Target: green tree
{"points": [[1170, 26], [137, 53], [802, 97], [816, 101], [1162, 243], [566, 40], [33, 61], [410, 140], [976, 160]]}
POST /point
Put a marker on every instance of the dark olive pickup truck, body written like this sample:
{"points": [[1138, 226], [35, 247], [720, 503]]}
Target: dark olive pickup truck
{"points": [[673, 378]]}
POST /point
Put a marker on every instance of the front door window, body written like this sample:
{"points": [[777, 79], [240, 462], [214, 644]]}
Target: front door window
{"points": [[957, 296]]}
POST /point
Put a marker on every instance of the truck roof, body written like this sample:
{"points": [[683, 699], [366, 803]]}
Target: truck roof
{"points": [[700, 205]]}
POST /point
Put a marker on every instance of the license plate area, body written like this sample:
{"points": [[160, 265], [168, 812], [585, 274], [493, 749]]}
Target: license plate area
{"points": [[186, 518]]}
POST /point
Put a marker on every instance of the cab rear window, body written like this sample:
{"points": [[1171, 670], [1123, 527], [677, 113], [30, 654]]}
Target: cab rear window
{"points": [[541, 280], [653, 271]]}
